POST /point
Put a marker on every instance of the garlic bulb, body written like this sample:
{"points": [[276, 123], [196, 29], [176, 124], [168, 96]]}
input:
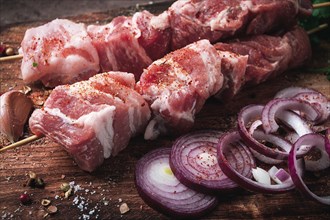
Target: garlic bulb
{"points": [[15, 108]]}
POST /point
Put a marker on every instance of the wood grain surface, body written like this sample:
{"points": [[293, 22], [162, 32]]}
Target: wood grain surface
{"points": [[100, 194]]}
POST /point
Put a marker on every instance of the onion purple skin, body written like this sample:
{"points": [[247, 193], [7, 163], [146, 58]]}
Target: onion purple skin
{"points": [[181, 172], [327, 141], [152, 200], [319, 142], [251, 185], [254, 112], [276, 105]]}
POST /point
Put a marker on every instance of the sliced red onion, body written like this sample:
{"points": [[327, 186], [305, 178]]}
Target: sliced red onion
{"points": [[161, 190], [327, 141], [261, 175], [316, 140], [275, 106], [194, 162], [265, 159], [319, 101], [250, 115], [278, 175], [227, 142], [295, 171], [295, 122], [292, 91]]}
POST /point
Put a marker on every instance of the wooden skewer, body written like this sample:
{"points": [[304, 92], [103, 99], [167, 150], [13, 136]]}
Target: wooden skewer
{"points": [[13, 57], [321, 5], [35, 137], [320, 27], [21, 142]]}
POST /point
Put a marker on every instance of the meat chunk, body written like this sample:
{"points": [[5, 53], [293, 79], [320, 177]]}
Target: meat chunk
{"points": [[177, 86], [118, 46], [155, 33], [58, 52], [233, 67], [93, 119], [268, 55], [193, 20]]}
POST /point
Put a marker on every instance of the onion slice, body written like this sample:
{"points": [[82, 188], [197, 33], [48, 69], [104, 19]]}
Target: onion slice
{"points": [[295, 171], [194, 162], [226, 142], [275, 106], [161, 190], [251, 114]]}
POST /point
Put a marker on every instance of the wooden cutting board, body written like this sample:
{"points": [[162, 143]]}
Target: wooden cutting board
{"points": [[100, 194]]}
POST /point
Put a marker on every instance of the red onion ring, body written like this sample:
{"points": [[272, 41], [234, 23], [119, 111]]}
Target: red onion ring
{"points": [[275, 106], [226, 142], [252, 113], [292, 91], [194, 162], [161, 190], [295, 171]]}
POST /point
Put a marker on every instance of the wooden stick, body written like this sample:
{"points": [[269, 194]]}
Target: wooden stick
{"points": [[13, 57], [321, 5], [21, 142], [320, 27]]}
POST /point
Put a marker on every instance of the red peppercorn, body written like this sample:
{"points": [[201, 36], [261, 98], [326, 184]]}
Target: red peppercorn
{"points": [[25, 199]]}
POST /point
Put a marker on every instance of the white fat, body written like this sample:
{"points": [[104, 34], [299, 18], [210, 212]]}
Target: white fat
{"points": [[161, 21], [131, 119], [57, 112], [102, 123], [219, 21]]}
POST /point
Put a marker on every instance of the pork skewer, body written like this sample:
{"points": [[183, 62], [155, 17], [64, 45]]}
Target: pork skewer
{"points": [[130, 44], [70, 107]]}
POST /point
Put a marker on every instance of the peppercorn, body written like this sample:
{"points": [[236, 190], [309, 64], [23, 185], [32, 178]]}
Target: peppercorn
{"points": [[25, 199]]}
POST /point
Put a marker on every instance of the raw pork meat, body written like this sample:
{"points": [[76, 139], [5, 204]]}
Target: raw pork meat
{"points": [[93, 119], [177, 86], [58, 52], [155, 33], [268, 55], [118, 46], [192, 20]]}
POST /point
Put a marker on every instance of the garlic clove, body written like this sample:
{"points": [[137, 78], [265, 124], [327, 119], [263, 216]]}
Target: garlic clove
{"points": [[15, 108]]}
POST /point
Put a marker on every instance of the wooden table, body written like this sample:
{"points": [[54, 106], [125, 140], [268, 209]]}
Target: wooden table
{"points": [[101, 193]]}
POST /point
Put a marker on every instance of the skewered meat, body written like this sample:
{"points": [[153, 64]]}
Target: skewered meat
{"points": [[269, 56], [193, 20], [51, 52], [177, 86], [118, 46], [58, 52], [93, 119]]}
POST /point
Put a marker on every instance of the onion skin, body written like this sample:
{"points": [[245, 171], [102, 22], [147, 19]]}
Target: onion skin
{"points": [[295, 172], [168, 195], [225, 143], [15, 108]]}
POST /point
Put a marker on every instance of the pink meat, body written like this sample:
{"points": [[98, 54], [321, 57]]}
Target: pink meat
{"points": [[233, 67], [118, 46], [177, 86], [93, 119], [192, 20], [58, 52], [155, 33], [268, 55]]}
